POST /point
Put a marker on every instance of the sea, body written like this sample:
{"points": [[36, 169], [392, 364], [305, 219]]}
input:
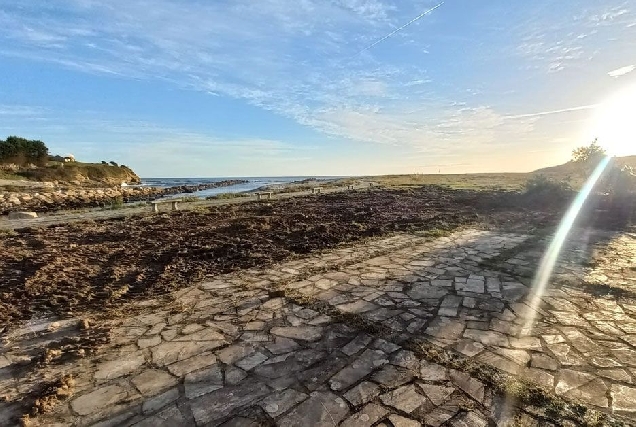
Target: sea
{"points": [[253, 183]]}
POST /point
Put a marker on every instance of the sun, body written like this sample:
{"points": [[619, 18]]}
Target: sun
{"points": [[614, 123]]}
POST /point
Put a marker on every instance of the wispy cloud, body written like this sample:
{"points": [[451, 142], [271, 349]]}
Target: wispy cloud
{"points": [[557, 41], [622, 71], [298, 60]]}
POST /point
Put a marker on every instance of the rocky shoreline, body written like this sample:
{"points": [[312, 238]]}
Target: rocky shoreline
{"points": [[52, 199]]}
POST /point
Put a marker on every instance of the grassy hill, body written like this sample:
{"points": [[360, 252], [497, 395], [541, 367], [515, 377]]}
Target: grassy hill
{"points": [[76, 173], [25, 159], [571, 167], [571, 170]]}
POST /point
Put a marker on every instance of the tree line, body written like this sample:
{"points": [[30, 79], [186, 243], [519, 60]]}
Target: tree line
{"points": [[23, 151]]}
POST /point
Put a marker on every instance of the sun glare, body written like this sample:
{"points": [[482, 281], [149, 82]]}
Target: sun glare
{"points": [[615, 123]]}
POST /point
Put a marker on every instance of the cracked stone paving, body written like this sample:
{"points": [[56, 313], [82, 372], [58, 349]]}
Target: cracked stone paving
{"points": [[330, 340]]}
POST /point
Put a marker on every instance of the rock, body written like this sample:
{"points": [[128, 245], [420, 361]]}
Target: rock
{"points": [[22, 215], [624, 398], [151, 381], [282, 401], [367, 416], [400, 421], [98, 399], [168, 417], [158, 402], [362, 393], [84, 324], [361, 367], [405, 398], [469, 385], [304, 333], [436, 393], [324, 409], [432, 372], [213, 407], [470, 419], [391, 377], [203, 382], [194, 363], [119, 367]]}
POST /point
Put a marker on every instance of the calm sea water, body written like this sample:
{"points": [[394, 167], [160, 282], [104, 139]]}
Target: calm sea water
{"points": [[252, 184]]}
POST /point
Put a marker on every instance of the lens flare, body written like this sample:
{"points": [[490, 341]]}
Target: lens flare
{"points": [[546, 266], [614, 124]]}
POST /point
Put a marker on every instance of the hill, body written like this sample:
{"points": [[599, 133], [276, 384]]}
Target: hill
{"points": [[21, 159], [81, 174], [76, 173], [572, 167], [572, 171]]}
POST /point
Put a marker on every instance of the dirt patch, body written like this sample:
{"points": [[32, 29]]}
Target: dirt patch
{"points": [[95, 266], [47, 397]]}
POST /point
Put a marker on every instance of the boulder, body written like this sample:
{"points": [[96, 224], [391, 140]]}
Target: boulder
{"points": [[22, 215]]}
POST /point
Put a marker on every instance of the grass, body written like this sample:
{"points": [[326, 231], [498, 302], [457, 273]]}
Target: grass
{"points": [[10, 176], [490, 181], [116, 203], [227, 196], [189, 199], [473, 181]]}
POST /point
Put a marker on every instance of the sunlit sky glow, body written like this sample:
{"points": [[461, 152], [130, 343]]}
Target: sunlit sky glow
{"points": [[278, 87]]}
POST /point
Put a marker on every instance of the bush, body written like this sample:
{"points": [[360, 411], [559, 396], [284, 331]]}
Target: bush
{"points": [[547, 189], [619, 180], [541, 183], [117, 202]]}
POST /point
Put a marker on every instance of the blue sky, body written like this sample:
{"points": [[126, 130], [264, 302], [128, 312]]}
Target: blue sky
{"points": [[281, 87]]}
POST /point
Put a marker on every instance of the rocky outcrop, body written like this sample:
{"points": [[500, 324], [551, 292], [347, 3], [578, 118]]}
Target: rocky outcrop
{"points": [[74, 198]]}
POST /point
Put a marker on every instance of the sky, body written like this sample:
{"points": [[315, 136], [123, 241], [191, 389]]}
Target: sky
{"points": [[202, 88]]}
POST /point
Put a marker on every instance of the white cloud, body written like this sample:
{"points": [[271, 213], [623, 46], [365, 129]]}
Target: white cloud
{"points": [[622, 71], [558, 42], [298, 59]]}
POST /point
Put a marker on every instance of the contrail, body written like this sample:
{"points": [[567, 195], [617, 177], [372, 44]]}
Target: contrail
{"points": [[418, 17], [547, 113]]}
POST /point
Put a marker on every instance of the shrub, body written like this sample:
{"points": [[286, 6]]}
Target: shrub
{"points": [[619, 180], [117, 202], [547, 189], [541, 183], [187, 199]]}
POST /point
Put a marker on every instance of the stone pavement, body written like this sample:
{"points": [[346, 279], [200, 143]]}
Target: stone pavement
{"points": [[329, 340]]}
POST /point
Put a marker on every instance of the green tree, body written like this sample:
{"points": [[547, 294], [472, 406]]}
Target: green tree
{"points": [[20, 150], [592, 153]]}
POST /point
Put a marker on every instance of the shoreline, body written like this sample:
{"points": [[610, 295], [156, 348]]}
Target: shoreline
{"points": [[48, 199]]}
